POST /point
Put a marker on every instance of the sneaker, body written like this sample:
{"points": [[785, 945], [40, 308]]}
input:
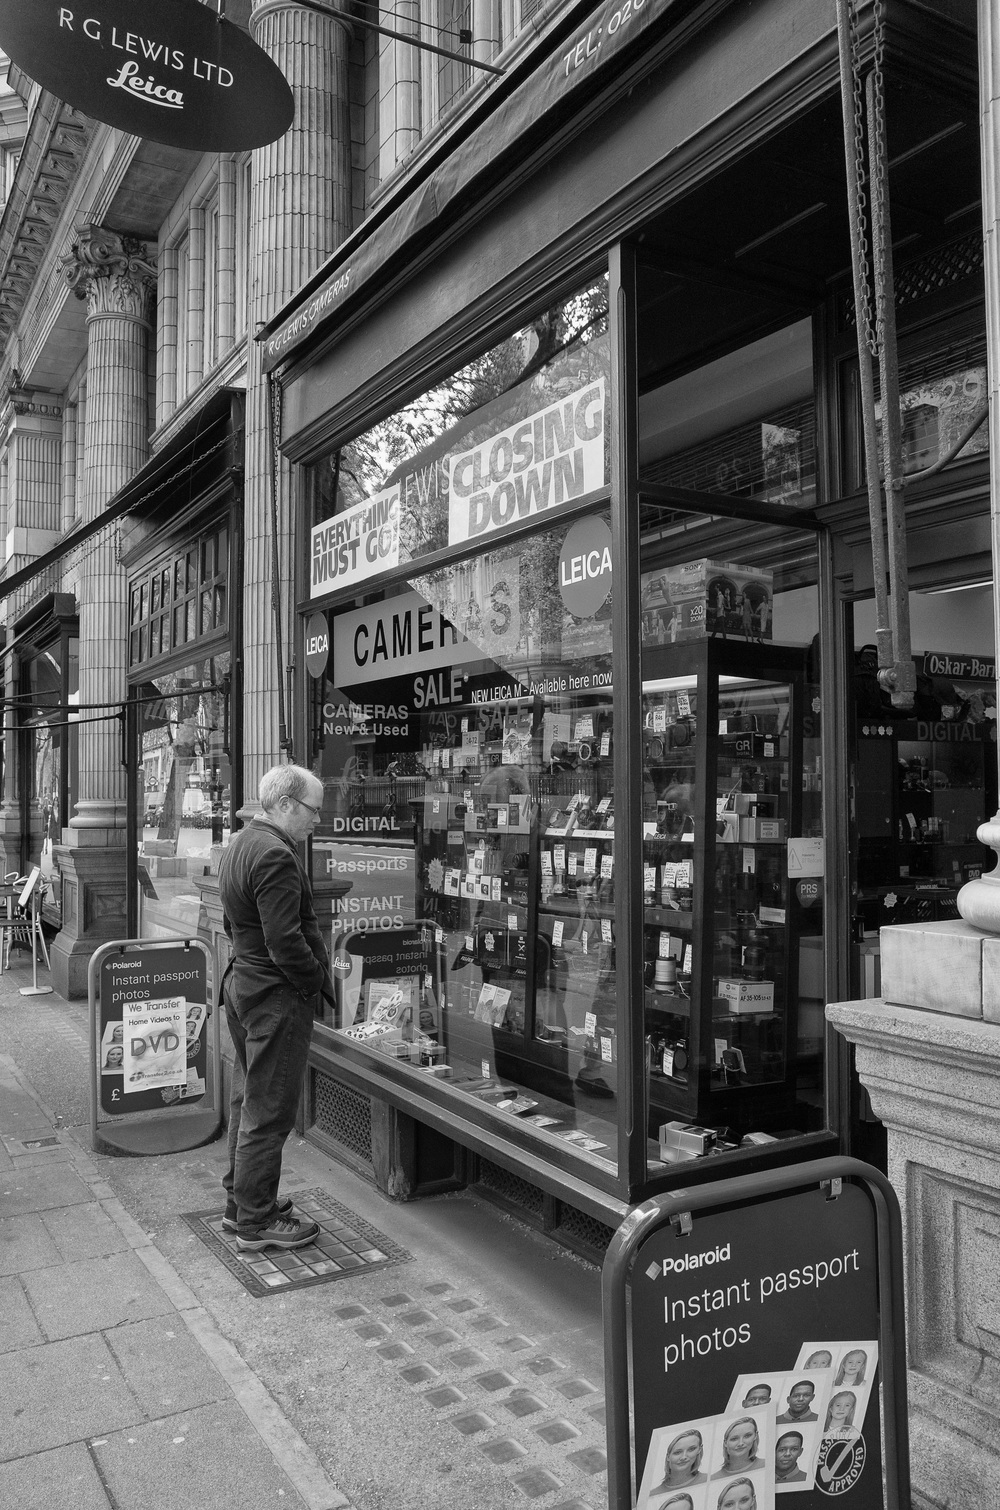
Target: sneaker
{"points": [[284, 1206], [280, 1232]]}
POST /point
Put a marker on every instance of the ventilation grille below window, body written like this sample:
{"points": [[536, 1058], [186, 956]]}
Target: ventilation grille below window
{"points": [[343, 1115], [510, 1187]]}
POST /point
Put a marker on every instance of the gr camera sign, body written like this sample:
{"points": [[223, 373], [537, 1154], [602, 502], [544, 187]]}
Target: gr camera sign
{"points": [[174, 71]]}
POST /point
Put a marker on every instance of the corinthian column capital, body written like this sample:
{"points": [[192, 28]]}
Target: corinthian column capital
{"points": [[112, 272]]}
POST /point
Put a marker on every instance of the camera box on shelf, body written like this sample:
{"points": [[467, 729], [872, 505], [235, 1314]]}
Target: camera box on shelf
{"points": [[699, 598]]}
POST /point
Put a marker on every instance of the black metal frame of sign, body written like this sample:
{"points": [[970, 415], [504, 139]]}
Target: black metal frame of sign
{"points": [[150, 1067], [772, 1275]]}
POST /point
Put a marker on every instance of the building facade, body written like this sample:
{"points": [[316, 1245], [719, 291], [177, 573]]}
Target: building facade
{"points": [[492, 444]]}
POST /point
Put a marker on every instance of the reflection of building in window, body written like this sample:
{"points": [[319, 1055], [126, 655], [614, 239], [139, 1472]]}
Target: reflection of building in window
{"points": [[920, 437]]}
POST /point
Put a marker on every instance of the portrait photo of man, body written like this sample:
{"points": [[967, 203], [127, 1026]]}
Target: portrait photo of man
{"points": [[800, 1399]]}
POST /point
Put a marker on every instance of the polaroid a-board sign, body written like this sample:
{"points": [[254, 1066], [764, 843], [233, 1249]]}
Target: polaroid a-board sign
{"points": [[170, 70], [150, 1023], [766, 1336]]}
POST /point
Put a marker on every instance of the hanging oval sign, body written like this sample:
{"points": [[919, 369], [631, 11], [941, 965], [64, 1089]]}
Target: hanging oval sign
{"points": [[173, 71]]}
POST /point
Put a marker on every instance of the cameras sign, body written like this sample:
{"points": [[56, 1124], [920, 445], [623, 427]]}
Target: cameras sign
{"points": [[173, 71], [543, 461]]}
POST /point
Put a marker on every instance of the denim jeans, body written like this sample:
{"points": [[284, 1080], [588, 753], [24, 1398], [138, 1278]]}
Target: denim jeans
{"points": [[271, 1041]]}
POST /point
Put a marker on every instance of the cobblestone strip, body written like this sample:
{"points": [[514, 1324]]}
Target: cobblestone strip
{"points": [[523, 1409]]}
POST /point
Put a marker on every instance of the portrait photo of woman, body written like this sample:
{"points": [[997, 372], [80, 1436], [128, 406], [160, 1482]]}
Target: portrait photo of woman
{"points": [[739, 1449], [682, 1462], [739, 1495], [681, 1501], [822, 1358]]}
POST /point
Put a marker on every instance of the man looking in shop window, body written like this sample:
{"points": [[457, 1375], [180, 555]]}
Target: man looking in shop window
{"points": [[279, 968]]}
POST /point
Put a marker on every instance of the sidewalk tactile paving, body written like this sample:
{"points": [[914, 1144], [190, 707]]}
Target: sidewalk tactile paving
{"points": [[590, 1459], [536, 1482], [494, 1380], [599, 1413], [468, 1425], [517, 1344], [418, 1318], [371, 1330], [523, 1405], [544, 1365], [419, 1373], [439, 1287], [575, 1389], [399, 1299], [463, 1305], [395, 1350], [441, 1338], [555, 1432], [485, 1323], [446, 1395], [348, 1313], [467, 1357], [346, 1245], [504, 1451], [572, 1505]]}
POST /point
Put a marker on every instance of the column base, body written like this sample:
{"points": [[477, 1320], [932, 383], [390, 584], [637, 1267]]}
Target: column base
{"points": [[94, 911]]}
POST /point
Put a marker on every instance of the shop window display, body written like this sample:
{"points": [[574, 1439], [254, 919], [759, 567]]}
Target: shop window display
{"points": [[470, 808]]}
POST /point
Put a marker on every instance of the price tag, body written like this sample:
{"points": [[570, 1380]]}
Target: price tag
{"points": [[560, 857], [668, 1061], [720, 1048], [497, 894], [683, 705], [484, 1069], [607, 867], [604, 803], [546, 862], [557, 933], [686, 966], [573, 864], [606, 1049], [605, 744], [468, 941], [659, 720], [590, 860], [503, 813], [435, 804], [649, 878], [606, 930], [439, 934], [590, 1024], [445, 760], [749, 862], [584, 727], [664, 946], [585, 942], [512, 921]]}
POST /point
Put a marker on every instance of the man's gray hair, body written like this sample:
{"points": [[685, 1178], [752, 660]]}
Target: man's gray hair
{"points": [[284, 781]]}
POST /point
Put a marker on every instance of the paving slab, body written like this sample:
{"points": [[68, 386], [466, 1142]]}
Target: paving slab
{"points": [[164, 1366], [18, 1327], [210, 1456], [94, 1294], [42, 1190], [25, 1243], [84, 1232], [49, 1480], [61, 1392]]}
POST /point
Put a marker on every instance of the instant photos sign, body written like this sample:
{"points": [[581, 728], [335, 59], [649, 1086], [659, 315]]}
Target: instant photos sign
{"points": [[173, 71]]}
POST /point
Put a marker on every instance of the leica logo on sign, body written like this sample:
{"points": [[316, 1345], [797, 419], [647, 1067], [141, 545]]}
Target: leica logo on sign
{"points": [[211, 86]]}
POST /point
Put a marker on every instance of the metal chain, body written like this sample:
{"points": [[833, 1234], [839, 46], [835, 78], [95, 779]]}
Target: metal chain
{"points": [[866, 324], [878, 130]]}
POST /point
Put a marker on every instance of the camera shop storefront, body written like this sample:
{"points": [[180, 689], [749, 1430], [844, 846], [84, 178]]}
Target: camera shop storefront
{"points": [[566, 615]]}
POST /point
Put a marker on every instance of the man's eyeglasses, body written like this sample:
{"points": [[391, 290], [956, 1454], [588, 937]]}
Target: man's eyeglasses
{"points": [[317, 812]]}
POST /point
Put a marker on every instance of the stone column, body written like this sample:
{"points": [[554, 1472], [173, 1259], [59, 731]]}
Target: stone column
{"points": [[115, 277], [928, 1054], [300, 210], [32, 474]]}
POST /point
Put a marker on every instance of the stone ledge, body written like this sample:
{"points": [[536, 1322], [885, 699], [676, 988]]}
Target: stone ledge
{"points": [[936, 966]]}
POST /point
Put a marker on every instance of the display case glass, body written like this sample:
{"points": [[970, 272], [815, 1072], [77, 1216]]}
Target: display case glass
{"points": [[733, 865]]}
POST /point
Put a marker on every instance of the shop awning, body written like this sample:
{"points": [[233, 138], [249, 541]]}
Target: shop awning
{"points": [[186, 450], [522, 110]]}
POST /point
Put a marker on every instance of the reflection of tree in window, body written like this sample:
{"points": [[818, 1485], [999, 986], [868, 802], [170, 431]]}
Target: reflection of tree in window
{"points": [[554, 355]]}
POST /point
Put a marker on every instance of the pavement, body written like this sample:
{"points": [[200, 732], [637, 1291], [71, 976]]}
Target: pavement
{"points": [[138, 1373]]}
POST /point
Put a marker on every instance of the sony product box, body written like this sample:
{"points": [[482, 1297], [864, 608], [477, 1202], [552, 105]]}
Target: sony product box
{"points": [[707, 598], [747, 995]]}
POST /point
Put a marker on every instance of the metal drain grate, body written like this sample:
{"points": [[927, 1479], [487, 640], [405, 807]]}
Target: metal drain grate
{"points": [[343, 1115], [346, 1245]]}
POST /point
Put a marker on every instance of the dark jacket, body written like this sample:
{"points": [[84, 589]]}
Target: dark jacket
{"points": [[269, 915]]}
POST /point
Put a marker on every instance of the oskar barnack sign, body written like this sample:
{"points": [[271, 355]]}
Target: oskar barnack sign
{"points": [[171, 70]]}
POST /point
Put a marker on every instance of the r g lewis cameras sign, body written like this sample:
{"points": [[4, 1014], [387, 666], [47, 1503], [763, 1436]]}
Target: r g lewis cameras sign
{"points": [[174, 71]]}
